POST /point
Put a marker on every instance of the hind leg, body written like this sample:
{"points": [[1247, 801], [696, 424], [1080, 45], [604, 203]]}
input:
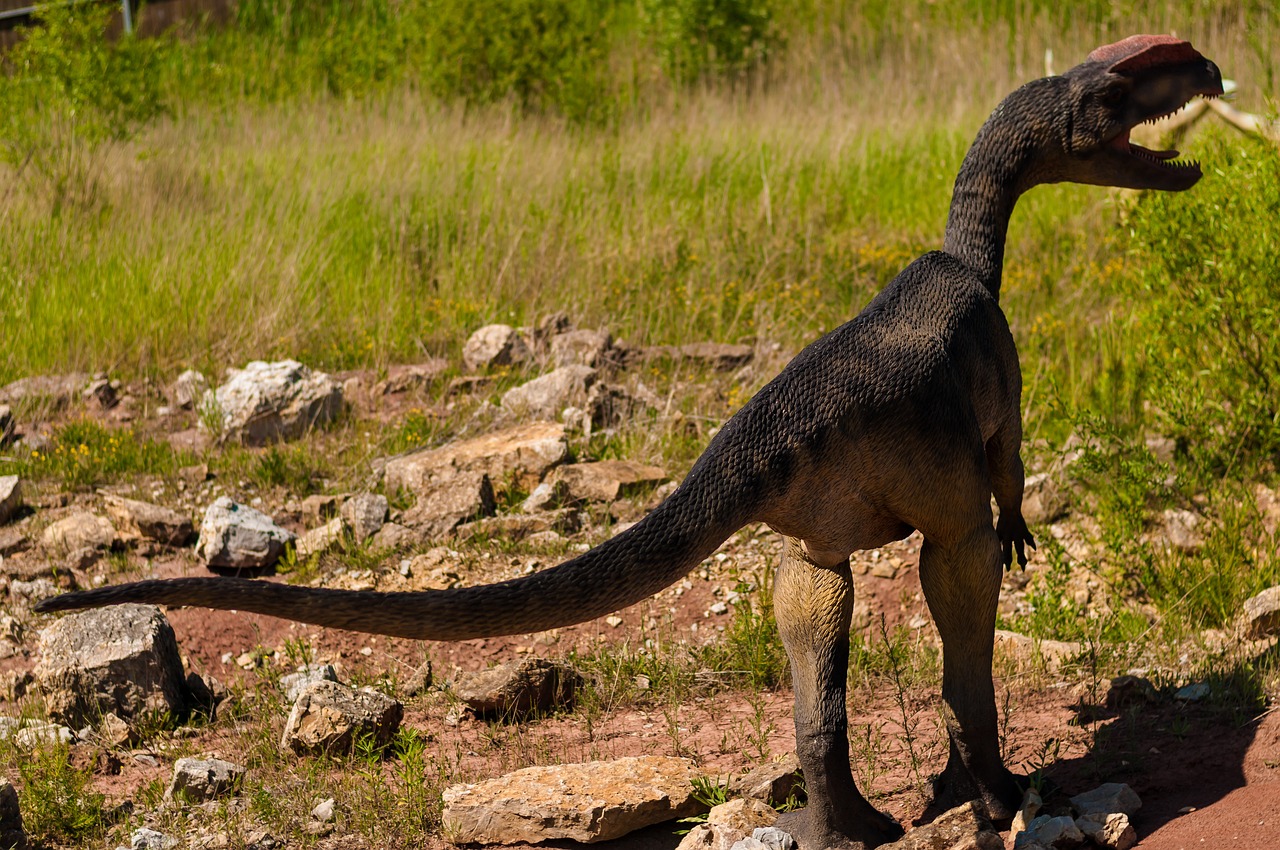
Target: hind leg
{"points": [[813, 603], [961, 583]]}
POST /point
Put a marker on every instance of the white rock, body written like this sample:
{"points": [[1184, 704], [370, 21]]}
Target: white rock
{"points": [[295, 683], [494, 345], [265, 402], [324, 810], [328, 717], [189, 389], [10, 496], [1106, 799], [1060, 833], [80, 530], [149, 839], [238, 536], [364, 514], [1260, 617], [196, 780], [546, 396], [1112, 831], [320, 539], [41, 733]]}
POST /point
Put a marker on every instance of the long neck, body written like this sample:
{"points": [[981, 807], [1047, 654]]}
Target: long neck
{"points": [[1002, 163]]}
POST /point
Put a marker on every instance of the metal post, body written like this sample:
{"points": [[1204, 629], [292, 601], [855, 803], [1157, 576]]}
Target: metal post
{"points": [[127, 13]]}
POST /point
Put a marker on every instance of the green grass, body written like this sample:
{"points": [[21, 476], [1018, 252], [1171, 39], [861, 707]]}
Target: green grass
{"points": [[84, 454]]}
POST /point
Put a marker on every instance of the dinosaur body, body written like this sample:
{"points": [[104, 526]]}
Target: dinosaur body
{"points": [[905, 418]]}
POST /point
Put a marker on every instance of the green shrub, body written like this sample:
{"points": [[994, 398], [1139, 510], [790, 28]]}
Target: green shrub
{"points": [[57, 803], [545, 55], [701, 38], [70, 88]]}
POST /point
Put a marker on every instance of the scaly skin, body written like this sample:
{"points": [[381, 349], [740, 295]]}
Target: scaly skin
{"points": [[905, 418]]}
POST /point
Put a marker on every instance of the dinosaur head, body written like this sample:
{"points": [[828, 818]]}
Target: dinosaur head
{"points": [[1119, 86]]}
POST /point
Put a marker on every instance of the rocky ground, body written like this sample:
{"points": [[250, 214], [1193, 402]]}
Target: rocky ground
{"points": [[241, 730]]}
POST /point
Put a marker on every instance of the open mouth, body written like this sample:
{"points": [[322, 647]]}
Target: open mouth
{"points": [[1163, 159]]}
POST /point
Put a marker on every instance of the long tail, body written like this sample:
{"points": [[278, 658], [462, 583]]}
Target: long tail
{"points": [[651, 555]]}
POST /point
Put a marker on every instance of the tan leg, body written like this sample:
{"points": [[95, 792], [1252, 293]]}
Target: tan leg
{"points": [[814, 606], [962, 584]]}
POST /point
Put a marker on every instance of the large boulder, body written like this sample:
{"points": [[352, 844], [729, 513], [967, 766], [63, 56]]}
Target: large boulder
{"points": [[590, 802], [523, 452], [236, 536], [153, 522], [265, 402], [123, 659], [328, 717]]}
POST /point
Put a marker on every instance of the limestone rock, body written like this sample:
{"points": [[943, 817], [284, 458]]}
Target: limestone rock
{"points": [[60, 390], [6, 425], [320, 508], [523, 452], [295, 683], [143, 519], [415, 377], [771, 783], [1044, 500], [121, 659], [965, 827], [1181, 530], [328, 717], [546, 396], [12, 834], [494, 345], [1260, 617], [265, 402], [196, 780], [320, 539], [42, 733], [582, 347], [1112, 831], [1268, 504], [393, 535], [10, 496], [719, 356], [452, 502], [1126, 691], [767, 838], [1031, 804], [522, 526], [364, 514], [238, 537], [607, 480], [1029, 649], [728, 824], [1107, 799], [547, 496], [143, 838], [590, 802], [1058, 833], [80, 530], [517, 687], [188, 390]]}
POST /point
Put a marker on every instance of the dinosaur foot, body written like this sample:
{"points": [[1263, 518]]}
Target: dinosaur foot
{"points": [[872, 829], [956, 786]]}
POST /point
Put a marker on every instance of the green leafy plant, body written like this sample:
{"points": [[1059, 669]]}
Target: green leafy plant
{"points": [[700, 38], [84, 454]]}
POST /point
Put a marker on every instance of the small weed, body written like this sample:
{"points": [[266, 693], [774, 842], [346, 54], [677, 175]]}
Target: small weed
{"points": [[708, 791], [84, 454], [57, 803]]}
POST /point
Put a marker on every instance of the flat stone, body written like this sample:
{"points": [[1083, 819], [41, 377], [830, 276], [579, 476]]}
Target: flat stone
{"points": [[771, 783], [608, 480], [1107, 799], [196, 780], [364, 514], [518, 687], [416, 377], [523, 452], [123, 659], [320, 539], [328, 717], [265, 402], [965, 827], [494, 345], [12, 834], [1260, 615], [582, 347], [306, 674], [521, 526], [59, 390], [80, 530], [452, 502], [546, 396], [1058, 833], [722, 357], [1026, 648], [237, 536], [590, 802], [153, 522], [1112, 831], [10, 496]]}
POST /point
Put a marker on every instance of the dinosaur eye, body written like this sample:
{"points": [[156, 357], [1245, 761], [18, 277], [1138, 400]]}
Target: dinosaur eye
{"points": [[1113, 95]]}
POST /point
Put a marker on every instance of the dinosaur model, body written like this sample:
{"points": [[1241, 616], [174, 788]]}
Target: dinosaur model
{"points": [[906, 417]]}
